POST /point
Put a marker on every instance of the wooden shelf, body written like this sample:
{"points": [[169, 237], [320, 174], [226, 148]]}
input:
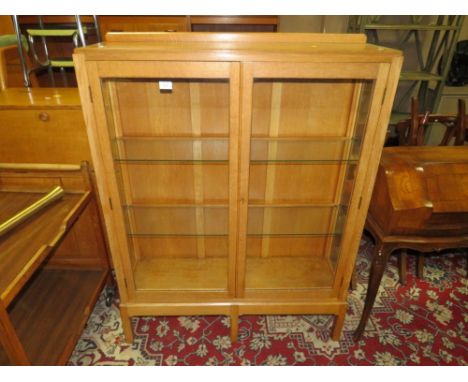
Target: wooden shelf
{"points": [[182, 274], [19, 258], [51, 312], [288, 273]]}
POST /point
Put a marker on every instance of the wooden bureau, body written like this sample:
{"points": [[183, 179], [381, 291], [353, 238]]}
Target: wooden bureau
{"points": [[420, 202]]}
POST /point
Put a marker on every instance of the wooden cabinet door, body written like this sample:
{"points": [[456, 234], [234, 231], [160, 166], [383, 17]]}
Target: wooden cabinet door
{"points": [[167, 140], [308, 132]]}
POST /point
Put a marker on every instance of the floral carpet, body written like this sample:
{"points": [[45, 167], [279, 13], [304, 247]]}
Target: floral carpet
{"points": [[422, 323]]}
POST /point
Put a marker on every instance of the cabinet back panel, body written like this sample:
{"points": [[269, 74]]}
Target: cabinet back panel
{"points": [[302, 105], [295, 183], [178, 220], [180, 246], [145, 110], [174, 183], [302, 246]]}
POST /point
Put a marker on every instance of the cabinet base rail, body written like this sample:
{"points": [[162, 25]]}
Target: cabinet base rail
{"points": [[233, 309]]}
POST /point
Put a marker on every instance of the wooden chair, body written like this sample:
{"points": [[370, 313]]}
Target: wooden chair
{"points": [[11, 74], [412, 131]]}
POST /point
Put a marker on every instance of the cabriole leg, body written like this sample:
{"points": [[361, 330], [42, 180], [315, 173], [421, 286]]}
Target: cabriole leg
{"points": [[379, 262]]}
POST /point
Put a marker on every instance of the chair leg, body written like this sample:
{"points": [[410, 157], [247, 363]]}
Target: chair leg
{"points": [[353, 282], [403, 266], [420, 266], [379, 262]]}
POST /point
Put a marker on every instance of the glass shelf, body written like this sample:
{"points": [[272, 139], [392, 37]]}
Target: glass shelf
{"points": [[175, 161], [296, 221], [266, 150], [168, 150], [177, 221], [310, 150]]}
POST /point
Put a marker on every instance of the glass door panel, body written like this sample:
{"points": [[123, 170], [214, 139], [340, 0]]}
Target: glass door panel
{"points": [[170, 140], [306, 140]]}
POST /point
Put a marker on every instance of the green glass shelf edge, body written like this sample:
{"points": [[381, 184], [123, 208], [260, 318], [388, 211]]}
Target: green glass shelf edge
{"points": [[336, 234], [250, 205], [252, 162], [421, 27]]}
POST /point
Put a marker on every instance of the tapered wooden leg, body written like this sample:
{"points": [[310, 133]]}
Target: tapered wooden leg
{"points": [[379, 262], [339, 322], [234, 323], [126, 325], [10, 341], [420, 267], [403, 266]]}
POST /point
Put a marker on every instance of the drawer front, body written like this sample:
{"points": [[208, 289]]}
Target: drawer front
{"points": [[43, 136]]}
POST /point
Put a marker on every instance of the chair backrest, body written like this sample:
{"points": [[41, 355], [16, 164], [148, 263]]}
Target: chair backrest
{"points": [[411, 131]]}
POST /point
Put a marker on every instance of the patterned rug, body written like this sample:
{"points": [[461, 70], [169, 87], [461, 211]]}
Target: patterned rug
{"points": [[422, 323]]}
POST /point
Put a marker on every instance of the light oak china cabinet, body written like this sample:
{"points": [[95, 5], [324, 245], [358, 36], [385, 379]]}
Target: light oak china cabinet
{"points": [[235, 170]]}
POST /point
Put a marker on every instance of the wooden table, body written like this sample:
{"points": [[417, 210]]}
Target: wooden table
{"points": [[419, 202], [47, 290]]}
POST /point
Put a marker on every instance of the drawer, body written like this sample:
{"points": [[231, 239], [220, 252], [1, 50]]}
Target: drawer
{"points": [[43, 136]]}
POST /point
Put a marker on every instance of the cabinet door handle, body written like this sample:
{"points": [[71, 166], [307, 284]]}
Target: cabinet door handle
{"points": [[44, 117]]}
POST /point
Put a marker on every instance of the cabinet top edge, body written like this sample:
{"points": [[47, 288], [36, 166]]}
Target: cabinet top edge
{"points": [[233, 46], [219, 37]]}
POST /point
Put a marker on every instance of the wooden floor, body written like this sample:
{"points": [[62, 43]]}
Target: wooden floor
{"points": [[50, 307]]}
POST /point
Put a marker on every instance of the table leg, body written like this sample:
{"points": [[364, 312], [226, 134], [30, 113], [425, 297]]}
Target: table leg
{"points": [[379, 262], [420, 266]]}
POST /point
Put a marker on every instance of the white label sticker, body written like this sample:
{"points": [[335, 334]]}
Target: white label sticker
{"points": [[165, 85]]}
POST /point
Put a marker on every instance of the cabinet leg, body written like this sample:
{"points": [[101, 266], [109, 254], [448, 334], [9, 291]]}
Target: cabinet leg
{"points": [[379, 262], [234, 324], [126, 325], [403, 266], [339, 322]]}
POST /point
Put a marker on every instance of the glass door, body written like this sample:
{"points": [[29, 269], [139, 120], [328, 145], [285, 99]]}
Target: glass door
{"points": [[304, 134], [172, 132]]}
